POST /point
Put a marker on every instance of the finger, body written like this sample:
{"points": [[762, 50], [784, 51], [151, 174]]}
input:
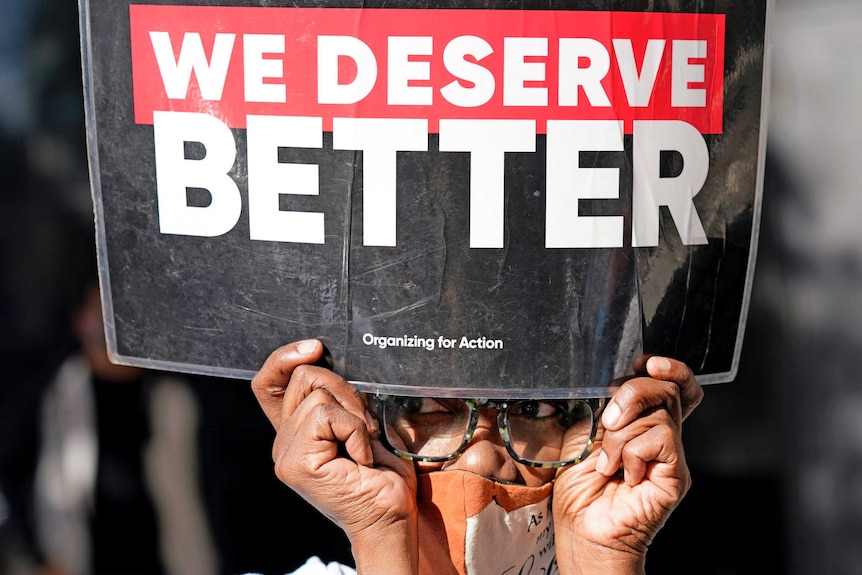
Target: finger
{"points": [[659, 444], [306, 379], [320, 431], [635, 445], [639, 396], [691, 392], [352, 432], [271, 381]]}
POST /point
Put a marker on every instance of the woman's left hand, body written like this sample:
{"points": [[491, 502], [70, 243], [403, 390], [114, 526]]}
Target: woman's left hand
{"points": [[608, 508]]}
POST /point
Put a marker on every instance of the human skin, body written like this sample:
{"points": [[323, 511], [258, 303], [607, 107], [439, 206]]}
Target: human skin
{"points": [[606, 509]]}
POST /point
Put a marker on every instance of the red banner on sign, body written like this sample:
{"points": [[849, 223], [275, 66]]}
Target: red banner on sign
{"points": [[428, 64]]}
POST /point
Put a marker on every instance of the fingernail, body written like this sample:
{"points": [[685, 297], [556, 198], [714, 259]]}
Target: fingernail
{"points": [[306, 346], [602, 462], [611, 415], [370, 421], [660, 363]]}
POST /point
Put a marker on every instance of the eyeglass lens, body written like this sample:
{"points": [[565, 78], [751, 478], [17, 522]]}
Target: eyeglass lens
{"points": [[542, 431]]}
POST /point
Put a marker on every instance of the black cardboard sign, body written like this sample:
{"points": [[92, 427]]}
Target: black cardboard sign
{"points": [[459, 198]]}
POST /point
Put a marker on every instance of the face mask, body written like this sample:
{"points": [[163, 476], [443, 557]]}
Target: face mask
{"points": [[472, 525]]}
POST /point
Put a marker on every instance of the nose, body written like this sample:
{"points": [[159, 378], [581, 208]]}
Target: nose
{"points": [[487, 455]]}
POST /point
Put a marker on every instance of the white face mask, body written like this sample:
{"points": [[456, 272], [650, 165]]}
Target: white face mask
{"points": [[472, 525]]}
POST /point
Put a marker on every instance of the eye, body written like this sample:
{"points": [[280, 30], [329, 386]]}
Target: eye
{"points": [[420, 405], [535, 409]]}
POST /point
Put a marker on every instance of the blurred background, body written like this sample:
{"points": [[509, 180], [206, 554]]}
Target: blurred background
{"points": [[117, 470]]}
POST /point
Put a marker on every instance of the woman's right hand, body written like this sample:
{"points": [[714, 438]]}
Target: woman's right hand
{"points": [[327, 449]]}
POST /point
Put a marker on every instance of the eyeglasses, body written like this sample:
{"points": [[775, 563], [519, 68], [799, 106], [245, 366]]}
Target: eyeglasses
{"points": [[536, 432]]}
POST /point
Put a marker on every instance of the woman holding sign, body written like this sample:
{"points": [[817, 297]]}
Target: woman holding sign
{"points": [[476, 487]]}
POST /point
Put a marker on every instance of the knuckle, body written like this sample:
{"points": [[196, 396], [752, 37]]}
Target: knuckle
{"points": [[685, 481], [257, 385], [629, 396], [303, 376], [671, 390], [302, 372]]}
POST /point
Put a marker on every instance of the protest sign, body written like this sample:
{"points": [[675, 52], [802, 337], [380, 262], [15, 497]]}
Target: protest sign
{"points": [[459, 198]]}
